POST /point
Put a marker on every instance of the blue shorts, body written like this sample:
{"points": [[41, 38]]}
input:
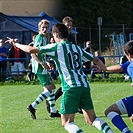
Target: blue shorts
{"points": [[128, 102]]}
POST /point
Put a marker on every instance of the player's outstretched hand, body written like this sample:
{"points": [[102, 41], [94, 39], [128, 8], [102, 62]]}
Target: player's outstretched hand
{"points": [[97, 68], [10, 40]]}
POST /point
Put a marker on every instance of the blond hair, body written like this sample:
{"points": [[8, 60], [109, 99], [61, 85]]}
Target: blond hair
{"points": [[66, 19], [43, 21]]}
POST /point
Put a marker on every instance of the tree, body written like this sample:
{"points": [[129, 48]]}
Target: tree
{"points": [[86, 12]]}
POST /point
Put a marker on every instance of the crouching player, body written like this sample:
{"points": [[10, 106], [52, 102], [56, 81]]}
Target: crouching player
{"points": [[125, 105]]}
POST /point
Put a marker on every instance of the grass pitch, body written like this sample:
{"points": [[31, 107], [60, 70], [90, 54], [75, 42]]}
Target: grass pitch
{"points": [[15, 118]]}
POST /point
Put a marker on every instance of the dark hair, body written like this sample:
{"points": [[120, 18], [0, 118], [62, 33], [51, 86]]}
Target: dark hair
{"points": [[61, 29], [128, 48]]}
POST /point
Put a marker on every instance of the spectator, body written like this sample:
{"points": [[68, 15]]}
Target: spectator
{"points": [[88, 47], [68, 21], [17, 65], [124, 59], [86, 65], [30, 74], [3, 56], [50, 62]]}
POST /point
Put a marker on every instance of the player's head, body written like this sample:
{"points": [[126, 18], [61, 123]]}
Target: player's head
{"points": [[59, 31], [68, 22], [43, 26], [128, 50], [88, 43]]}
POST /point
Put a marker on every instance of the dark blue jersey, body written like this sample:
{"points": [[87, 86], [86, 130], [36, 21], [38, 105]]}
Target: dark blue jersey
{"points": [[128, 68], [124, 66]]}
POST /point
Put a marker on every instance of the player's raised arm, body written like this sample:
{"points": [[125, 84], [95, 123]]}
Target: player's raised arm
{"points": [[25, 48]]}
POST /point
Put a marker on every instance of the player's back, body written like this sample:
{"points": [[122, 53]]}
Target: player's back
{"points": [[69, 63]]}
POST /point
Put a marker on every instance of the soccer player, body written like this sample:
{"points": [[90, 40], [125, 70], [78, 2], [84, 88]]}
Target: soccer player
{"points": [[68, 21], [75, 85], [38, 64], [125, 105]]}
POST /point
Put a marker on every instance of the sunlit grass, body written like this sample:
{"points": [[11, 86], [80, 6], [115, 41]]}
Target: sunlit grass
{"points": [[14, 117]]}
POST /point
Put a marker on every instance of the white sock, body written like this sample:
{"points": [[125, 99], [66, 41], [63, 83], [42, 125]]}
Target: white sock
{"points": [[51, 100], [40, 98], [72, 128], [102, 125]]}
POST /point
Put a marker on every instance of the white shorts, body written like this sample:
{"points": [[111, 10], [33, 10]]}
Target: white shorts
{"points": [[125, 105], [121, 107], [18, 67]]}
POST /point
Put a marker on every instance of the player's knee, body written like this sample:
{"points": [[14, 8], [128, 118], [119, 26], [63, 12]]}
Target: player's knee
{"points": [[89, 121], [63, 124], [106, 111], [54, 87]]}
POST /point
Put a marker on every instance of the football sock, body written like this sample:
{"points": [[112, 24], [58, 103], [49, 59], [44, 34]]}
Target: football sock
{"points": [[102, 125], [118, 122], [51, 100], [58, 93], [72, 128], [40, 98]]}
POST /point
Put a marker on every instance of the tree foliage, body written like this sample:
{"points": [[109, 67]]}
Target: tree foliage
{"points": [[86, 12], [116, 12]]}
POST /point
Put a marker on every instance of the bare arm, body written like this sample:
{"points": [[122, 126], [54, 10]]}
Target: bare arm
{"points": [[98, 62], [25, 48], [36, 58], [45, 66], [102, 67], [115, 68], [3, 54]]}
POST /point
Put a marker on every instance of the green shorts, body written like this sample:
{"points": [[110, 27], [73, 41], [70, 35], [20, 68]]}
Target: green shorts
{"points": [[74, 98], [44, 79]]}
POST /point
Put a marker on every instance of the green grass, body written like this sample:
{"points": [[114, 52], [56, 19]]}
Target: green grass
{"points": [[14, 117]]}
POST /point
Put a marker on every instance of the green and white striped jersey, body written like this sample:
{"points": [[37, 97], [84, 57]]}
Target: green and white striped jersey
{"points": [[36, 67], [69, 58]]}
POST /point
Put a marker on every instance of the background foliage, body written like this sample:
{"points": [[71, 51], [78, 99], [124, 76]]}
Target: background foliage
{"points": [[85, 14]]}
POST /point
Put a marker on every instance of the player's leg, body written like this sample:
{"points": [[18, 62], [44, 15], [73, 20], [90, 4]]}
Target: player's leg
{"points": [[89, 114], [69, 125], [69, 105], [42, 96], [44, 80], [51, 100], [115, 111], [58, 93], [100, 124]]}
